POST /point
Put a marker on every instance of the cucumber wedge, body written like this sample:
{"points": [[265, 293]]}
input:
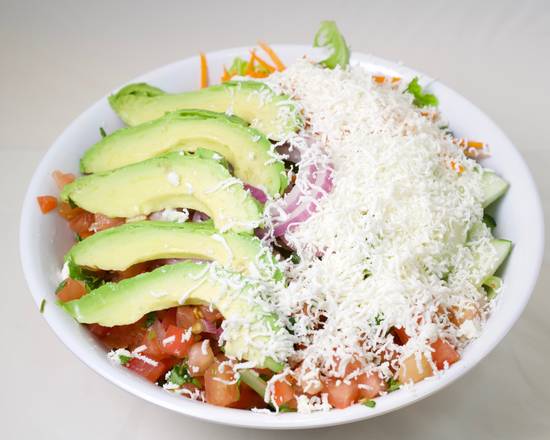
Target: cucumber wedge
{"points": [[493, 186], [502, 248]]}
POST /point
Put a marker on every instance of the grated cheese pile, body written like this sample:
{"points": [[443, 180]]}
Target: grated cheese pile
{"points": [[387, 246]]}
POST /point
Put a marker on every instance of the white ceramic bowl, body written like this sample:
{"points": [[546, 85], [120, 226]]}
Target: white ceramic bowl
{"points": [[45, 238]]}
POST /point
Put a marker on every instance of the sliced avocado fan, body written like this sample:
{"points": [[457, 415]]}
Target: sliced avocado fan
{"points": [[274, 115], [123, 246], [245, 148], [250, 331], [174, 180]]}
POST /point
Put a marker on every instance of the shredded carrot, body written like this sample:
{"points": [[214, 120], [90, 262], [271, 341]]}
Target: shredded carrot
{"points": [[250, 65], [204, 71], [276, 60], [265, 65], [257, 74], [457, 167], [381, 79], [475, 144], [226, 76]]}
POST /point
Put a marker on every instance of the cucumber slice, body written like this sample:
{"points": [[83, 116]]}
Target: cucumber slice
{"points": [[503, 248], [493, 186]]}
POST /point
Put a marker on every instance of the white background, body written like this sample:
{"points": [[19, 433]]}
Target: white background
{"points": [[57, 58]]}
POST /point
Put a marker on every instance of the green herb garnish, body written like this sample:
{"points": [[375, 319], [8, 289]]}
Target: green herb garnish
{"points": [[102, 132], [379, 318], [489, 221], [91, 280], [294, 258], [150, 319], [42, 305], [329, 36], [124, 359], [421, 99], [393, 385], [238, 67], [179, 375], [286, 409], [370, 403]]}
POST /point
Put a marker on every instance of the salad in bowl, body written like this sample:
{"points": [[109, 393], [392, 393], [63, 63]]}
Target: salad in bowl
{"points": [[292, 238]]}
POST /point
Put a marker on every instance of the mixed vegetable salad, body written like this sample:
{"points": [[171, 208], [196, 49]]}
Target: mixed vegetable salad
{"points": [[204, 231]]}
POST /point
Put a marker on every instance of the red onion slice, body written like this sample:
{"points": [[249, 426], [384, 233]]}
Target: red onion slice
{"points": [[257, 193], [209, 327], [293, 209], [199, 217]]}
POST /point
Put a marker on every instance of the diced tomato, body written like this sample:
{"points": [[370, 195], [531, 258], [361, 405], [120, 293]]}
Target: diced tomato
{"points": [[132, 271], [340, 394], [409, 370], [180, 346], [73, 289], [370, 385], [46, 203], [62, 179], [401, 335], [201, 357], [282, 392], [150, 372], [80, 224], [248, 398], [125, 336], [67, 212], [444, 352], [99, 330], [218, 392], [186, 317], [210, 314], [167, 317], [102, 222], [153, 341]]}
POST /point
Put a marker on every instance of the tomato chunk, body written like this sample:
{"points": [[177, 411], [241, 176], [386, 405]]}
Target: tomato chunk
{"points": [[340, 394], [62, 179], [444, 353], [151, 370], [67, 212], [175, 342], [248, 398], [219, 389], [282, 392], [401, 335], [370, 385], [80, 224], [132, 271], [102, 222], [46, 203], [124, 336], [73, 289]]}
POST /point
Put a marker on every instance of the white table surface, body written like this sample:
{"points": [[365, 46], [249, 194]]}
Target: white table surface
{"points": [[56, 58]]}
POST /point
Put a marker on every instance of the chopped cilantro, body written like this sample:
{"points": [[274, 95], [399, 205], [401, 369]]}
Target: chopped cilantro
{"points": [[370, 403], [379, 318], [124, 359], [489, 221], [42, 305], [421, 99], [366, 273], [90, 280], [295, 258], [179, 375], [150, 319], [102, 132], [393, 385], [286, 409]]}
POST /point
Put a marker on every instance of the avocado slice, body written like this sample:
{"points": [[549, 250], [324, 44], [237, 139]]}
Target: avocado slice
{"points": [[174, 180], [275, 115], [123, 246], [250, 329], [245, 148]]}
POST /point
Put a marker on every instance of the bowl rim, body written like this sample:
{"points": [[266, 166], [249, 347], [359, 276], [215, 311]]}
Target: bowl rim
{"points": [[250, 419]]}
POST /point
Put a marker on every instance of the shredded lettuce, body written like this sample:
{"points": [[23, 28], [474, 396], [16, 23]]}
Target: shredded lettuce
{"points": [[330, 37], [421, 99]]}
